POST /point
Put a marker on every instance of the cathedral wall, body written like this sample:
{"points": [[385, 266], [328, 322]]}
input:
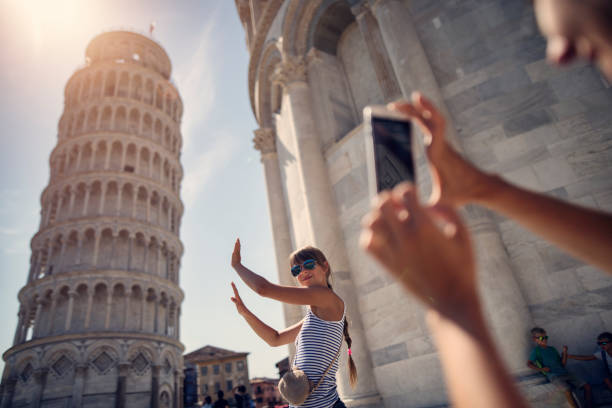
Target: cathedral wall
{"points": [[544, 128], [541, 127]]}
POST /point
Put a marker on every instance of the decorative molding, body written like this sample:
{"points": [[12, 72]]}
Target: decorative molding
{"points": [[292, 69], [265, 140]]}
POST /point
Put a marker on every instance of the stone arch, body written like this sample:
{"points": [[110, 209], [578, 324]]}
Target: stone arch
{"points": [[118, 306], [78, 204], [121, 123], [136, 92], [80, 307], [127, 200], [148, 92], [88, 247], [58, 322], [144, 162], [147, 125], [109, 85], [97, 85], [103, 357], [158, 131], [92, 119], [79, 126], [142, 197], [139, 252], [100, 155], [105, 251], [141, 356], [124, 85], [159, 97], [86, 157], [85, 90], [130, 158], [116, 156], [270, 58], [168, 104], [71, 251], [99, 305], [105, 120], [122, 243], [134, 122], [156, 167], [167, 138]]}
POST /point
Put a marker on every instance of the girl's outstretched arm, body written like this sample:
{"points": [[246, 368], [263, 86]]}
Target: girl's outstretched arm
{"points": [[273, 337], [314, 296]]}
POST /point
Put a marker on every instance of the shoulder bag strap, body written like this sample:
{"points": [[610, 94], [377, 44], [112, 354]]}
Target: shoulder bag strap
{"points": [[327, 369]]}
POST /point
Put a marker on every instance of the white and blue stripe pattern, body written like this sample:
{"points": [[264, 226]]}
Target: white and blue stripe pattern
{"points": [[317, 345]]}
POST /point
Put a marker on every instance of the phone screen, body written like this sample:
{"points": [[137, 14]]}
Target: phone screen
{"points": [[392, 152]]}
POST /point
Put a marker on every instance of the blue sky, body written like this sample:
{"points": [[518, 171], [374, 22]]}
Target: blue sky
{"points": [[224, 192]]}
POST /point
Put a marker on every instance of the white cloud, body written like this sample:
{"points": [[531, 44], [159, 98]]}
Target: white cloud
{"points": [[196, 81], [201, 167]]}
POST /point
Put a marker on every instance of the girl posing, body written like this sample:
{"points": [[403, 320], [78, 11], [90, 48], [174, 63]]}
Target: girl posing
{"points": [[317, 337]]}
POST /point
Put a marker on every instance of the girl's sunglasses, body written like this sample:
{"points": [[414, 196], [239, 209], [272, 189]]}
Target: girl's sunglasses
{"points": [[603, 343], [308, 264]]}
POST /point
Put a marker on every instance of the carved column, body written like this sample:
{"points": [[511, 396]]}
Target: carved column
{"points": [[78, 386], [370, 32], [20, 321], [109, 302], [317, 222], [265, 142], [98, 235], [54, 299], [40, 378], [128, 295], [155, 386], [130, 247], [121, 385], [90, 296], [86, 201], [71, 296], [37, 322], [102, 198]]}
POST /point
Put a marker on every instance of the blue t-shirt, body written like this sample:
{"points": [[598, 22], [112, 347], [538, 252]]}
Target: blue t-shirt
{"points": [[548, 357]]}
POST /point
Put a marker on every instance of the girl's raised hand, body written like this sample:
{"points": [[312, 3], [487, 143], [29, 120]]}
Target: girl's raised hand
{"points": [[236, 260], [240, 307]]}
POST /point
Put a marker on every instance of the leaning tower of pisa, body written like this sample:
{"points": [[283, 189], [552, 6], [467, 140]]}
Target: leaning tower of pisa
{"points": [[99, 315]]}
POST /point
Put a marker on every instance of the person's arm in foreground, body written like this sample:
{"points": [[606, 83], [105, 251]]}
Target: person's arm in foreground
{"points": [[438, 267], [583, 232], [268, 334]]}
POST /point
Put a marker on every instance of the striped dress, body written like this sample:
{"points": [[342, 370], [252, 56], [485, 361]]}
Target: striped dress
{"points": [[316, 346]]}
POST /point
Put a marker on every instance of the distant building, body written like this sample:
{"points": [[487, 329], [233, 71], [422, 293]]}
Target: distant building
{"points": [[283, 366], [265, 392], [218, 369]]}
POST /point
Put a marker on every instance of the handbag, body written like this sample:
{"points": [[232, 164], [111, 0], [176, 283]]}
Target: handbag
{"points": [[295, 387]]}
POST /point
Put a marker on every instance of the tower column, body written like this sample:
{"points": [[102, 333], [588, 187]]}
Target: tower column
{"points": [[319, 223], [71, 296], [78, 386], [40, 378], [90, 296], [265, 142], [37, 322], [50, 326]]}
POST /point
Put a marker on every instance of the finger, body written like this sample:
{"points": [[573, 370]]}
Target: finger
{"points": [[377, 246], [407, 195], [435, 118], [414, 114], [457, 229], [235, 290]]}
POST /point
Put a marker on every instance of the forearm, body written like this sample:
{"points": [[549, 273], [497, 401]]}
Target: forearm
{"points": [[581, 358], [585, 233], [267, 333], [252, 280], [465, 342]]}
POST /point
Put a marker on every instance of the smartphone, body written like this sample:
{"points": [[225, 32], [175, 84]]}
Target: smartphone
{"points": [[389, 152]]}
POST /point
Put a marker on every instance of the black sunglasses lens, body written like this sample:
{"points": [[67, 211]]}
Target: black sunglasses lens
{"points": [[295, 270]]}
